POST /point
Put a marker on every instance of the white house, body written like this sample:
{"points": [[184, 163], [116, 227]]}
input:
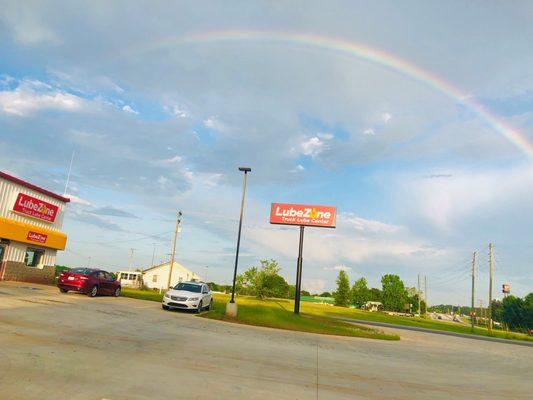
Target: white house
{"points": [[156, 277]]}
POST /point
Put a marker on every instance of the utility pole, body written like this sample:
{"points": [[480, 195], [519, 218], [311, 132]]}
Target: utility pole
{"points": [[491, 271], [153, 255], [206, 269], [178, 222], [472, 317], [131, 259], [481, 312], [89, 262], [419, 294], [426, 293]]}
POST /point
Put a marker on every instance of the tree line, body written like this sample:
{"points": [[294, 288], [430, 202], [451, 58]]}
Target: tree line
{"points": [[514, 312], [393, 295]]}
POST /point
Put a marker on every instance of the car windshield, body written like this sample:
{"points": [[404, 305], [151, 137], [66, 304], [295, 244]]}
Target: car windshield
{"points": [[81, 271], [189, 287]]}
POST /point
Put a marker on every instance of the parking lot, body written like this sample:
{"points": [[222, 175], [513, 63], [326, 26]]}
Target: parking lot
{"points": [[70, 346]]}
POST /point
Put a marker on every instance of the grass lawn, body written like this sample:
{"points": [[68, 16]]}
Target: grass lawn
{"points": [[142, 294], [276, 313], [332, 311]]}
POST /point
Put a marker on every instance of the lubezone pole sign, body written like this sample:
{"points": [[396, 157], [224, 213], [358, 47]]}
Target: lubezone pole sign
{"points": [[302, 215]]}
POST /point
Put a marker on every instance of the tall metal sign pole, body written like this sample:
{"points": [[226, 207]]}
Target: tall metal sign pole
{"points": [[302, 215], [178, 222], [472, 310], [299, 272]]}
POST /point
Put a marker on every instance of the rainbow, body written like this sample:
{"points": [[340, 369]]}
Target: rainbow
{"points": [[355, 49]]}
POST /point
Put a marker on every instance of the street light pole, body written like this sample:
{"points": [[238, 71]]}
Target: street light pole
{"points": [[233, 310]]}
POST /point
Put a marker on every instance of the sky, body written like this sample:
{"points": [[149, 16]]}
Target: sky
{"points": [[415, 120]]}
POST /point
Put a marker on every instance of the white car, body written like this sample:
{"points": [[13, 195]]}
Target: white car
{"points": [[188, 296]]}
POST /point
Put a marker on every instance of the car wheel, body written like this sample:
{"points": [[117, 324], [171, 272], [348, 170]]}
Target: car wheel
{"points": [[63, 290], [94, 291], [200, 307], [210, 306], [117, 292], [164, 307]]}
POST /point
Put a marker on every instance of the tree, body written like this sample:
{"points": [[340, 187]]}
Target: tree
{"points": [[375, 295], [497, 310], [325, 294], [342, 294], [264, 281], [394, 296], [360, 292], [515, 313]]}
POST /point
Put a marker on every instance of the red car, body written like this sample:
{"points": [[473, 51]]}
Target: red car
{"points": [[89, 281]]}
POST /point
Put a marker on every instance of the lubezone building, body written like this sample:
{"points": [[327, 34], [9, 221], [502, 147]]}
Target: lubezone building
{"points": [[31, 219]]}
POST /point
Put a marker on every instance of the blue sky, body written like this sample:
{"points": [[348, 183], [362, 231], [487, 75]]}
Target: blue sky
{"points": [[419, 180]]}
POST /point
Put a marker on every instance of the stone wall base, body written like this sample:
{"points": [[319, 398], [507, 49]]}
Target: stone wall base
{"points": [[18, 271]]}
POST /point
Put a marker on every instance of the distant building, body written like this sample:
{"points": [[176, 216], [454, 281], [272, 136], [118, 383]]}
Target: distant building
{"points": [[130, 279], [156, 277], [372, 306]]}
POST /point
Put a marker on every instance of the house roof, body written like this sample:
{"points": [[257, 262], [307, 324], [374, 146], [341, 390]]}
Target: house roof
{"points": [[165, 264], [33, 187]]}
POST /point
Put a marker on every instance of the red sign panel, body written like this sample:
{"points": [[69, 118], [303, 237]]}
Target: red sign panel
{"points": [[35, 208], [36, 237], [302, 214]]}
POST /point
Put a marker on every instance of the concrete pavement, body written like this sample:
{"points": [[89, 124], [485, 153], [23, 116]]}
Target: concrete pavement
{"points": [[56, 346]]}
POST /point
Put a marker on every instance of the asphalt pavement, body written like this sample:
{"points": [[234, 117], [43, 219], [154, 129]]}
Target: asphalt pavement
{"points": [[70, 346]]}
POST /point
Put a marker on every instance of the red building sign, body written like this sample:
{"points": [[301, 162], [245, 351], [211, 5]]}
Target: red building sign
{"points": [[303, 215], [37, 237], [35, 208]]}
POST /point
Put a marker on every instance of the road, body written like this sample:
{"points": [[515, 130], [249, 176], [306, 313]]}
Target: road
{"points": [[396, 327], [56, 346]]}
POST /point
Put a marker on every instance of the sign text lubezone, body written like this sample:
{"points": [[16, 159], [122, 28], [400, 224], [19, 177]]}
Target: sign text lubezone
{"points": [[35, 208], [304, 215]]}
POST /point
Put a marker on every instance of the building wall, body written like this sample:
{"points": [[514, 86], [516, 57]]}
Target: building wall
{"points": [[179, 274], [18, 271], [8, 194], [16, 252]]}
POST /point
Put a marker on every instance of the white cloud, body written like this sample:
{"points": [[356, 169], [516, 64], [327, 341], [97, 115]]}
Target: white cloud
{"points": [[369, 131], [312, 146], [325, 136], [130, 110], [162, 181], [214, 123], [367, 225], [172, 160], [299, 168], [338, 268], [180, 113], [461, 193], [31, 96], [314, 285], [6, 79], [386, 117], [77, 200], [26, 25]]}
